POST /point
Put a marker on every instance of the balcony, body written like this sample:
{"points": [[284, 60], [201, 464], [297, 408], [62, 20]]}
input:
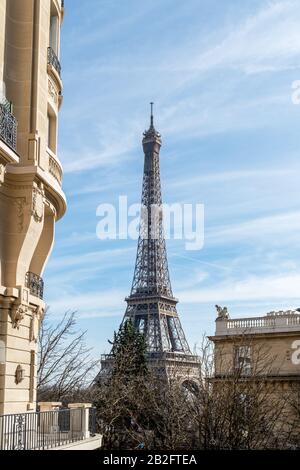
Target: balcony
{"points": [[53, 60], [273, 322], [35, 284], [8, 125], [55, 168], [57, 429]]}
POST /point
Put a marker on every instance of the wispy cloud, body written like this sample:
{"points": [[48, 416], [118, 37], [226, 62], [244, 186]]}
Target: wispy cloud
{"points": [[113, 149], [228, 176], [88, 258], [268, 37], [268, 230], [193, 99], [98, 304], [252, 288]]}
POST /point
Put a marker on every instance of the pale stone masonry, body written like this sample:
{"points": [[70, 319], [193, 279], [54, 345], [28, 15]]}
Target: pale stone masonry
{"points": [[278, 333], [31, 197]]}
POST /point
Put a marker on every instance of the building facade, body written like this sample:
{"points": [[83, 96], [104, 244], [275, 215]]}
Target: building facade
{"points": [[267, 346], [31, 196]]}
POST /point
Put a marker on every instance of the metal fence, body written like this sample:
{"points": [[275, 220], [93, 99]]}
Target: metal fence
{"points": [[45, 430]]}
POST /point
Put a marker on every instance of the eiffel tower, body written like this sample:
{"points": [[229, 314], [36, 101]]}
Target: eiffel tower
{"points": [[151, 305]]}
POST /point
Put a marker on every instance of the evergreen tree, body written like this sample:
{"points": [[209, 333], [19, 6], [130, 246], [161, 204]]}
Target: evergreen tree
{"points": [[119, 414], [129, 352]]}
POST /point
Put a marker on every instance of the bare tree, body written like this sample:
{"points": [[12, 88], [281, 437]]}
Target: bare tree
{"points": [[65, 365], [241, 408], [147, 411], [236, 409], [229, 406]]}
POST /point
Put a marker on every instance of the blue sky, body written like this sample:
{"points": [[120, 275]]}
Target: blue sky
{"points": [[220, 74]]}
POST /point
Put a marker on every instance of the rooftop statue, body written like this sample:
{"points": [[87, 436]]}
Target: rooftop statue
{"points": [[222, 312]]}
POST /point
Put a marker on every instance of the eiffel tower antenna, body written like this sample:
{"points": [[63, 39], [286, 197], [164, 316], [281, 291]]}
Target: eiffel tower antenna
{"points": [[151, 115], [151, 305]]}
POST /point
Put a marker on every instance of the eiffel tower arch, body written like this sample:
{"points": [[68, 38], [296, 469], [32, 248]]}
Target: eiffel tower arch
{"points": [[151, 306]]}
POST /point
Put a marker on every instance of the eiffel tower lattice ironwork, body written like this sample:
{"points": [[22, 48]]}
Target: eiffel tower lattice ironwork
{"points": [[151, 305]]}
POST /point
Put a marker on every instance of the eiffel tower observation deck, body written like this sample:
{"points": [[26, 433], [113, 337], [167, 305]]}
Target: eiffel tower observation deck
{"points": [[151, 305]]}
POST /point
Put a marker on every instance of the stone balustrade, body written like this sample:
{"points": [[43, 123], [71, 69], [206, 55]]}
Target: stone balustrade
{"points": [[272, 322], [55, 169]]}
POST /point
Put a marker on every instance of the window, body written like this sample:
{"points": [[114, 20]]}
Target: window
{"points": [[242, 360], [52, 131], [54, 30]]}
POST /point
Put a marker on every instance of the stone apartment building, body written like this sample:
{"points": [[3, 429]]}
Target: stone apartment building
{"points": [[268, 345], [260, 356], [31, 201], [31, 196]]}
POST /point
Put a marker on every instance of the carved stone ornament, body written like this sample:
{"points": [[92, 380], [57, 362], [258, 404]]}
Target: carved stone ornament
{"points": [[37, 205], [36, 319], [18, 312], [222, 312], [20, 203], [19, 374], [52, 91]]}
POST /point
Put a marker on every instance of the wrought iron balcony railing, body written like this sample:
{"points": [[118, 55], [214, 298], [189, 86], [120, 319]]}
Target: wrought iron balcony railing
{"points": [[53, 60], [45, 430], [7, 104], [35, 284], [8, 125]]}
